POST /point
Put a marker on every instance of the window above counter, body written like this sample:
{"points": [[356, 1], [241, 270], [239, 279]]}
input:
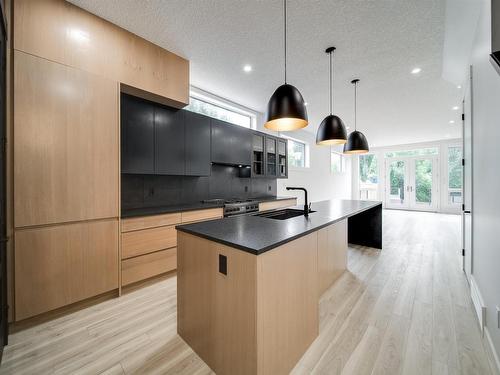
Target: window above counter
{"points": [[210, 105]]}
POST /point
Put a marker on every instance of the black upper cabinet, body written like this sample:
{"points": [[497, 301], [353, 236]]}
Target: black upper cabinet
{"points": [[137, 136], [197, 144], [161, 140], [271, 156], [221, 142], [231, 144], [282, 158], [258, 148], [169, 141], [242, 145]]}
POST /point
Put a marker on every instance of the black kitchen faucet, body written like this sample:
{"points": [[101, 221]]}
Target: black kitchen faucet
{"points": [[306, 205]]}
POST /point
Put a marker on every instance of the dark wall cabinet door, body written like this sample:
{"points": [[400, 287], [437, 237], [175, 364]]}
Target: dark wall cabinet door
{"points": [[197, 144], [242, 145], [271, 156], [137, 136], [258, 148], [221, 142], [169, 141], [231, 144], [282, 158]]}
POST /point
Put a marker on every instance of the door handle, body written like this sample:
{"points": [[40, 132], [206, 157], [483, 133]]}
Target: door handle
{"points": [[466, 212]]}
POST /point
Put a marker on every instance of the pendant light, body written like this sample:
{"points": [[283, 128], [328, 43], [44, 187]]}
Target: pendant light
{"points": [[286, 109], [332, 130], [356, 142]]}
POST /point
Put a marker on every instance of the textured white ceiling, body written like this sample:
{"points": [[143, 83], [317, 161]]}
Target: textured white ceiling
{"points": [[379, 42]]}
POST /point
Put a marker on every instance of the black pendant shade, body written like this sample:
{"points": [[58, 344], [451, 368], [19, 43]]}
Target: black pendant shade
{"points": [[331, 131], [286, 109], [356, 142]]}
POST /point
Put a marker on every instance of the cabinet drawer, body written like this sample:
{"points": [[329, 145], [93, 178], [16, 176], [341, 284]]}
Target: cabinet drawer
{"points": [[145, 222], [200, 215], [266, 206], [145, 266], [147, 241]]}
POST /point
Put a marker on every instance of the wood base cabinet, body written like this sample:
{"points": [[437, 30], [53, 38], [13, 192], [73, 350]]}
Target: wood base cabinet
{"points": [[65, 144], [259, 317], [149, 243], [59, 265], [332, 254]]}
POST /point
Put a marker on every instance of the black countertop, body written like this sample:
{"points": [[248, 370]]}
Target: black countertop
{"points": [[148, 211], [257, 235]]}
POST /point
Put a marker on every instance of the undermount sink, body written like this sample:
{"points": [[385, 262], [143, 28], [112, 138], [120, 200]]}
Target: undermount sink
{"points": [[283, 214]]}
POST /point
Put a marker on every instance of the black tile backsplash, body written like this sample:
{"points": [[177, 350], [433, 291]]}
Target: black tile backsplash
{"points": [[140, 191]]}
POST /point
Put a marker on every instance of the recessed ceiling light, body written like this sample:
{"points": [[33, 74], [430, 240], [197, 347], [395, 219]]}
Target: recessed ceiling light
{"points": [[455, 108], [459, 86], [247, 68], [416, 71], [306, 103], [452, 121], [348, 127]]}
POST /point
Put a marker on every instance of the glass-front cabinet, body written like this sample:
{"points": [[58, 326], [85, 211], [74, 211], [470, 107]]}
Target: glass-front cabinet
{"points": [[282, 158], [271, 157], [258, 168]]}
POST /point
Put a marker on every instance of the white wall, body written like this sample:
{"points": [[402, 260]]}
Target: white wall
{"points": [[320, 183], [486, 174]]}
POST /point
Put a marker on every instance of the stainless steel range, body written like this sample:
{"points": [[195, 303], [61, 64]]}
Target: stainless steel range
{"points": [[236, 206]]}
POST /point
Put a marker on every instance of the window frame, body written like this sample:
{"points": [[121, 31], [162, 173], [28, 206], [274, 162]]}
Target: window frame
{"points": [[342, 162], [447, 186], [306, 153], [216, 101], [377, 157]]}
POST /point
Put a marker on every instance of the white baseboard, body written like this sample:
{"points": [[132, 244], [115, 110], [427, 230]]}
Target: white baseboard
{"points": [[478, 302], [480, 308], [492, 354]]}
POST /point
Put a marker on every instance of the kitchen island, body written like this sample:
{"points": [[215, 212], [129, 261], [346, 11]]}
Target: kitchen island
{"points": [[249, 286]]}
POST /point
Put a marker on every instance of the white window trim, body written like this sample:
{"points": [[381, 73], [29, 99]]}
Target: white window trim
{"points": [[307, 150], [218, 101]]}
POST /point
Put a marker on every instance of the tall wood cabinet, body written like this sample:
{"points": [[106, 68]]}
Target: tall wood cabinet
{"points": [[59, 265], [60, 31], [69, 67], [65, 144]]}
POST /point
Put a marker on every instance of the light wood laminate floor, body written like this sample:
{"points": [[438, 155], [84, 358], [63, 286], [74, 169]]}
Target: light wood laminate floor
{"points": [[402, 310]]}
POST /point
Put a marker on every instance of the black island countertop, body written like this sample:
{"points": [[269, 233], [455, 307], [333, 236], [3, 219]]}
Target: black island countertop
{"points": [[256, 235], [158, 210]]}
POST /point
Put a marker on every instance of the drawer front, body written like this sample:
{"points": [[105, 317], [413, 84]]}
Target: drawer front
{"points": [[147, 241], [145, 222], [200, 215], [149, 265], [266, 206]]}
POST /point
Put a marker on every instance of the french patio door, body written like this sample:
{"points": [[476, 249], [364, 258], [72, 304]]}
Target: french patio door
{"points": [[412, 183]]}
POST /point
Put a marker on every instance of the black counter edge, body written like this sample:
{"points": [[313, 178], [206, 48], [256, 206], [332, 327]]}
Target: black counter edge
{"points": [[277, 244]]}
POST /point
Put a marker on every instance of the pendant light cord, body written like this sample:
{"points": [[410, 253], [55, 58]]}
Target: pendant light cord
{"points": [[331, 84], [355, 104], [284, 11]]}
